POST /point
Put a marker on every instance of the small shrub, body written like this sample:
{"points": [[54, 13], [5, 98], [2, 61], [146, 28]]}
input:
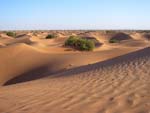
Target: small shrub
{"points": [[80, 43], [113, 41], [71, 41], [90, 45], [12, 34], [50, 36]]}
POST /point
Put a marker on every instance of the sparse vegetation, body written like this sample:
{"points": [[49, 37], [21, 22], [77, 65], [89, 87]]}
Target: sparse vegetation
{"points": [[113, 41], [12, 34], [51, 36], [71, 41], [80, 43], [110, 31]]}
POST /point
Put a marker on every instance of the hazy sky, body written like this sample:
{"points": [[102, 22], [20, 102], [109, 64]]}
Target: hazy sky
{"points": [[74, 14]]}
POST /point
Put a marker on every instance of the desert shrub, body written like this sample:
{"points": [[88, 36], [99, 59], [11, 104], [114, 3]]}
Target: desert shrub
{"points": [[96, 42], [113, 41], [90, 45], [12, 34], [80, 43], [71, 41], [51, 36]]}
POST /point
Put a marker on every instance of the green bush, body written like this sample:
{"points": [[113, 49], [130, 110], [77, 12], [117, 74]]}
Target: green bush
{"points": [[12, 34], [71, 41], [113, 41], [90, 45], [51, 36], [80, 43]]}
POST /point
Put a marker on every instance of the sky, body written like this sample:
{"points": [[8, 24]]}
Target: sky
{"points": [[74, 14]]}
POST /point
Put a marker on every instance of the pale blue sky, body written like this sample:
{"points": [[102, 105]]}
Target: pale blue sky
{"points": [[74, 14]]}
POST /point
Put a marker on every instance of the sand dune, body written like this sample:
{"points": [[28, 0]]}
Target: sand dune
{"points": [[117, 85], [121, 36], [141, 36], [2, 45], [4, 36], [18, 40], [17, 59], [39, 75], [22, 58], [147, 36], [137, 36]]}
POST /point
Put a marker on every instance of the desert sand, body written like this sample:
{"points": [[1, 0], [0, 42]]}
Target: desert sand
{"points": [[39, 75]]}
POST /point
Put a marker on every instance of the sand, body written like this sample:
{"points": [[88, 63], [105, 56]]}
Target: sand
{"points": [[42, 76]]}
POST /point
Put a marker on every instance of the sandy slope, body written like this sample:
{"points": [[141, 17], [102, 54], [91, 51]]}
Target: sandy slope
{"points": [[18, 59], [32, 57], [21, 59], [120, 85]]}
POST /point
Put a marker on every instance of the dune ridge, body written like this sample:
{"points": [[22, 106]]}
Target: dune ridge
{"points": [[114, 61], [18, 61]]}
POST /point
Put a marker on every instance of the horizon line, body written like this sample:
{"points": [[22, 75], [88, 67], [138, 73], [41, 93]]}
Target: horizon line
{"points": [[76, 30]]}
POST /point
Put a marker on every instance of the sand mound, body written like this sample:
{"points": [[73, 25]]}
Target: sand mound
{"points": [[141, 36], [121, 36], [4, 36], [2, 45], [134, 43], [117, 85], [17, 59], [37, 44], [137, 36], [25, 40], [147, 36], [22, 36], [4, 39]]}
